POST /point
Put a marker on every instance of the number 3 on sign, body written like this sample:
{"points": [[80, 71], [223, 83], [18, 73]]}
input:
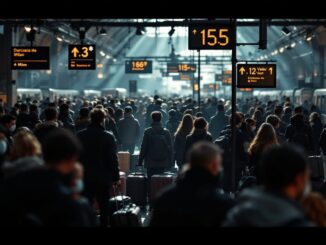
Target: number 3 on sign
{"points": [[85, 52]]}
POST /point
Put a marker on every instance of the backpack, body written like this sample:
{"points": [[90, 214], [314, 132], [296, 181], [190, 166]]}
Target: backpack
{"points": [[300, 137], [159, 147]]}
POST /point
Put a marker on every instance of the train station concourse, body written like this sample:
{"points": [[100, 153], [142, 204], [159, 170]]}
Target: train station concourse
{"points": [[162, 122]]}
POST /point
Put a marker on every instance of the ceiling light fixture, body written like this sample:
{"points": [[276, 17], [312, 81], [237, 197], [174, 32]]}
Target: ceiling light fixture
{"points": [[286, 31]]}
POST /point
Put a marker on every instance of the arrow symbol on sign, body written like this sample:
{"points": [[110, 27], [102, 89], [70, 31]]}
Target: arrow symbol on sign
{"points": [[74, 51], [242, 70]]}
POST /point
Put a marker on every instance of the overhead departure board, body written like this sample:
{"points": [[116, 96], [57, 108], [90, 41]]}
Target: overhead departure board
{"points": [[218, 77], [30, 58], [246, 89], [204, 36], [82, 57], [138, 66], [181, 67], [256, 75], [210, 87], [227, 77], [183, 77]]}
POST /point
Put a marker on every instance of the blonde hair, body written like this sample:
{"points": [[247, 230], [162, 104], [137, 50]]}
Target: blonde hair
{"points": [[314, 206], [265, 137], [25, 144]]}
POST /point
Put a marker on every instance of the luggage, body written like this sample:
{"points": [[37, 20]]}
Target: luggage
{"points": [[128, 216], [137, 188], [316, 166], [158, 182], [122, 187], [117, 202], [124, 161]]}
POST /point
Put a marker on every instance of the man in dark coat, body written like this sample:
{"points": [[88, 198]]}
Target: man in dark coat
{"points": [[100, 162], [42, 196], [128, 130], [23, 118], [218, 122], [299, 132], [284, 178], [156, 149], [195, 199]]}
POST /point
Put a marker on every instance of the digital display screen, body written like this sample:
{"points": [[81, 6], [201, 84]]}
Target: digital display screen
{"points": [[182, 77], [227, 77], [246, 89], [138, 66], [256, 75], [204, 36], [30, 58], [82, 57], [210, 87], [181, 67]]}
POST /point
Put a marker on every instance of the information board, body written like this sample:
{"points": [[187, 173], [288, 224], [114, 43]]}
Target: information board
{"points": [[256, 75], [30, 58], [138, 66], [82, 57]]}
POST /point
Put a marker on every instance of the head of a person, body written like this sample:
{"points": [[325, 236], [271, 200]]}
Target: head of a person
{"points": [[278, 111], [188, 112], [257, 115], [110, 111], [119, 113], [200, 124], [314, 118], [185, 126], [8, 122], [288, 110], [274, 121], [156, 97], [314, 206], [23, 108], [64, 108], [251, 124], [159, 102], [265, 137], [50, 114], [205, 155], [237, 120], [156, 116], [220, 108], [172, 113], [84, 113], [298, 110], [33, 108], [285, 169], [25, 144], [98, 116], [128, 110], [199, 114], [61, 150]]}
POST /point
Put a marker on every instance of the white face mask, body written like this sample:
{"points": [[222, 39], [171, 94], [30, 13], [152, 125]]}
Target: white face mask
{"points": [[307, 189], [12, 128], [3, 147]]}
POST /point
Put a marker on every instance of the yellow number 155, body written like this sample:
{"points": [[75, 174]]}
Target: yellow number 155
{"points": [[211, 38]]}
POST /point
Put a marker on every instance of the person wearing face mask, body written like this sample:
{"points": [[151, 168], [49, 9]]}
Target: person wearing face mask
{"points": [[8, 123], [196, 198], [100, 161], [285, 180]]}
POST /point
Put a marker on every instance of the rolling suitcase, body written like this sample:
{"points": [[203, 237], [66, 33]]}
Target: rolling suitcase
{"points": [[316, 167], [117, 202], [137, 188], [122, 187], [158, 182], [124, 161]]}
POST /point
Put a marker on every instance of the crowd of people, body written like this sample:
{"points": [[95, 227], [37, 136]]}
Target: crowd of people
{"points": [[57, 157]]}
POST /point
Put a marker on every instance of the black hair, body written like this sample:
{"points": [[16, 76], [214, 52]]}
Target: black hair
{"points": [[172, 113], [50, 113], [202, 153], [298, 109], [280, 165], [156, 116], [238, 118], [84, 112], [7, 118], [60, 145], [200, 123], [32, 108], [97, 115], [128, 109], [273, 120], [24, 107], [220, 107]]}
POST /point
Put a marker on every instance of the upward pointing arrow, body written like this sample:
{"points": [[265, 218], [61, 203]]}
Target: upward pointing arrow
{"points": [[74, 51], [242, 70]]}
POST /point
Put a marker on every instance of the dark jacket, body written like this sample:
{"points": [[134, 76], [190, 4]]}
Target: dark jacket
{"points": [[34, 119], [43, 129], [322, 141], [81, 124], [111, 126], [197, 136], [128, 129], [147, 150], [194, 200], [179, 149], [68, 121], [316, 132], [299, 126], [260, 208], [172, 125], [23, 120], [39, 197], [99, 156], [217, 124]]}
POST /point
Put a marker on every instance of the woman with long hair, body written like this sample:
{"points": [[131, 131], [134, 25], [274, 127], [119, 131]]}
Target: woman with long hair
{"points": [[264, 138], [184, 129]]}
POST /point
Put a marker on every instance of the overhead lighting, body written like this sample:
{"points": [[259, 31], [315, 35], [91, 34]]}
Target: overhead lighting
{"points": [[140, 31], [276, 51], [59, 39], [171, 32], [308, 38], [28, 28], [293, 44], [100, 76], [281, 50], [108, 56], [286, 31], [102, 53], [114, 60], [103, 32]]}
